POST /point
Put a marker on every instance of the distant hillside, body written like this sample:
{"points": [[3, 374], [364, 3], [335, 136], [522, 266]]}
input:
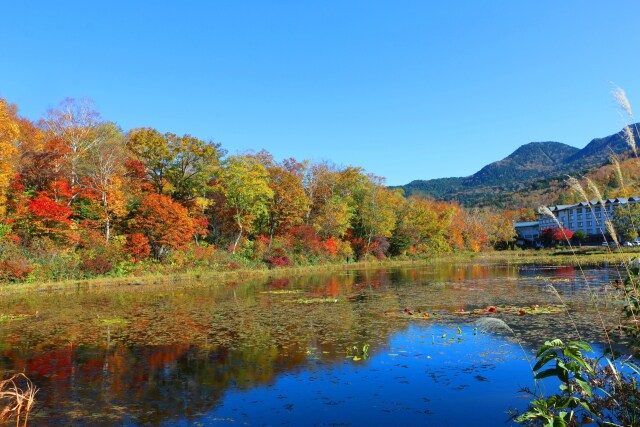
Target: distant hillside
{"points": [[533, 160], [533, 165]]}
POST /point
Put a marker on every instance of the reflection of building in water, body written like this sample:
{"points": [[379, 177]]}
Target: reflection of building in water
{"points": [[568, 279]]}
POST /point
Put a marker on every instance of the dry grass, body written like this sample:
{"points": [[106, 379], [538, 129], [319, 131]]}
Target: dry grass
{"points": [[17, 397]]}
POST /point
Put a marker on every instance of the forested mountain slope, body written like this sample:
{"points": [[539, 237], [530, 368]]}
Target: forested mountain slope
{"points": [[532, 166]]}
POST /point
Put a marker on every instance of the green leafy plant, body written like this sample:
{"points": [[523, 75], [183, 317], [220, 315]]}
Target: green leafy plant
{"points": [[570, 368], [592, 391], [355, 353]]}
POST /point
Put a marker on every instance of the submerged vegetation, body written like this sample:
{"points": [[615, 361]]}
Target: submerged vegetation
{"points": [[104, 355]]}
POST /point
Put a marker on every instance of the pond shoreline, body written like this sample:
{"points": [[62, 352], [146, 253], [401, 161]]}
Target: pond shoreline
{"points": [[582, 257]]}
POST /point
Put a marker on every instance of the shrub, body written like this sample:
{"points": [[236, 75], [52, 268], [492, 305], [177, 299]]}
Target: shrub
{"points": [[306, 240], [15, 268], [98, 265], [245, 249], [56, 265], [203, 255], [330, 246], [260, 247], [380, 248], [278, 261], [344, 251], [233, 265]]}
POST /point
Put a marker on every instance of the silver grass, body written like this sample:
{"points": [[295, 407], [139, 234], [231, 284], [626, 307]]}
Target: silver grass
{"points": [[544, 210], [612, 232], [492, 324], [616, 164], [630, 139], [594, 189], [621, 99], [575, 184]]}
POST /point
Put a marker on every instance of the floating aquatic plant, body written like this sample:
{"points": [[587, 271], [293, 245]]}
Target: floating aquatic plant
{"points": [[12, 317], [282, 291], [313, 300]]}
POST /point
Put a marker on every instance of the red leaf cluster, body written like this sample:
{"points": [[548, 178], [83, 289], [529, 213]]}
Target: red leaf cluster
{"points": [[557, 233], [46, 209], [330, 246]]}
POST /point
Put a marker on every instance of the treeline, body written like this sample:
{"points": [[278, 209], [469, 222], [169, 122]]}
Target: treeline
{"points": [[80, 197]]}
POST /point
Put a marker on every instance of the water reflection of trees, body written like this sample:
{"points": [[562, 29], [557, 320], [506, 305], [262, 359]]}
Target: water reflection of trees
{"points": [[160, 353]]}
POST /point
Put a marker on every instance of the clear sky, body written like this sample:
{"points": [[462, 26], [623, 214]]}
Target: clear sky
{"points": [[408, 90]]}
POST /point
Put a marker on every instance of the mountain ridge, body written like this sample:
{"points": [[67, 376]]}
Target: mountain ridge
{"points": [[531, 163]]}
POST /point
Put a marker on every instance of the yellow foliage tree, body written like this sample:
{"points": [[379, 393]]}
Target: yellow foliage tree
{"points": [[9, 133]]}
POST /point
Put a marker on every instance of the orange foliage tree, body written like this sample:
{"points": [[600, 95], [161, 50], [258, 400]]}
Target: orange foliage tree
{"points": [[290, 203], [164, 222]]}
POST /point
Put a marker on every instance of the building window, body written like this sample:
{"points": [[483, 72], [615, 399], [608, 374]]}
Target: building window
{"points": [[579, 210], [588, 223], [579, 224]]}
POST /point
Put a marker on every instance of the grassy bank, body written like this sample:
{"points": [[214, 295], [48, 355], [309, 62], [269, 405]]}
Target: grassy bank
{"points": [[583, 256], [203, 275]]}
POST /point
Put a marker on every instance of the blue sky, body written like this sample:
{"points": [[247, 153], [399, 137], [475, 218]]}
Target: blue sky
{"points": [[406, 89]]}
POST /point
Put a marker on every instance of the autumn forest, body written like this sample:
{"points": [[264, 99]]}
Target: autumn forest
{"points": [[80, 197]]}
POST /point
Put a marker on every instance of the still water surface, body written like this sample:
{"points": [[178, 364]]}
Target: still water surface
{"points": [[328, 349]]}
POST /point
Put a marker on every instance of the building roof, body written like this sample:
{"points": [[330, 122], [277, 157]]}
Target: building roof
{"points": [[526, 224], [618, 200]]}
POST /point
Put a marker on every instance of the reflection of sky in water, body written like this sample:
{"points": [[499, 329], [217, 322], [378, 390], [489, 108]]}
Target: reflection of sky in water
{"points": [[177, 352], [421, 378]]}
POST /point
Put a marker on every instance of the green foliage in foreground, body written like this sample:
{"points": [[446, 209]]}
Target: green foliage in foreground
{"points": [[591, 391]]}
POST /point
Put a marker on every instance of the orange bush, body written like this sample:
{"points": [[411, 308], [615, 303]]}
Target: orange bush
{"points": [[138, 246]]}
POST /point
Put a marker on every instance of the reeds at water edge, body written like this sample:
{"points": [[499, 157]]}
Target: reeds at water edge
{"points": [[17, 398]]}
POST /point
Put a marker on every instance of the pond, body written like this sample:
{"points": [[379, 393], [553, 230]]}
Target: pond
{"points": [[440, 344]]}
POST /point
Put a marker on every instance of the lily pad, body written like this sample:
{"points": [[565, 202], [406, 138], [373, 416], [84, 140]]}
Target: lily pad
{"points": [[282, 291], [114, 321], [520, 310], [313, 300], [12, 317]]}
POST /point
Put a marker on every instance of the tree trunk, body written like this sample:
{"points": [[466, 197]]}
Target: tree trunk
{"points": [[107, 229], [235, 245], [107, 226], [272, 227]]}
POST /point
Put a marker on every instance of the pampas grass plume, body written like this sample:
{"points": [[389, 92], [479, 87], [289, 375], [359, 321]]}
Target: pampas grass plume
{"points": [[630, 139], [621, 99]]}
